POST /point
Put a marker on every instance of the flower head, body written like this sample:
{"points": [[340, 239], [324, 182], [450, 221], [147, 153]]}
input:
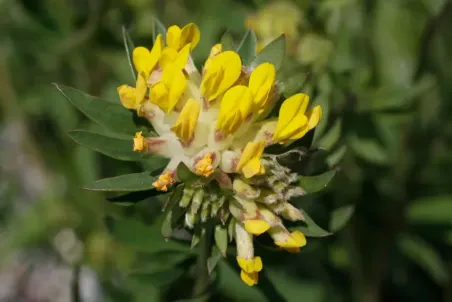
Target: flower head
{"points": [[215, 123]]}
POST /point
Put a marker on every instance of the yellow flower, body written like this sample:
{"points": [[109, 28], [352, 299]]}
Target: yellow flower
{"points": [[185, 125], [131, 97], [262, 81], [138, 142], [289, 241], [167, 92], [235, 107], [204, 166], [177, 38], [250, 265], [145, 60], [293, 123], [250, 164], [163, 182], [171, 56], [223, 71]]}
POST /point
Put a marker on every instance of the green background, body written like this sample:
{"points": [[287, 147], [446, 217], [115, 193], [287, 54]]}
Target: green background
{"points": [[382, 71]]}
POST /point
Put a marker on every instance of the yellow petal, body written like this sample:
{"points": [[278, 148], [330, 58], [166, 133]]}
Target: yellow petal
{"points": [[246, 265], [145, 60], [223, 71], [258, 265], [138, 142], [235, 106], [190, 35], [294, 106], [250, 279], [159, 96], [141, 88], [261, 82], [185, 125], [173, 35], [299, 238], [182, 57], [252, 168], [314, 115], [252, 150], [175, 82], [127, 96], [216, 49], [256, 226], [168, 56]]}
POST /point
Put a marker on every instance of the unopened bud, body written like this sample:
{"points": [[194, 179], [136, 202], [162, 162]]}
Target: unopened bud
{"points": [[205, 211], [186, 197]]}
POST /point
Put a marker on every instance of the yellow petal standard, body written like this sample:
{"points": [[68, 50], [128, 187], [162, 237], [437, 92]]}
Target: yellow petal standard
{"points": [[235, 107], [223, 71], [167, 92], [173, 37], [145, 60], [292, 120], [262, 81], [131, 97], [185, 125], [177, 59], [249, 279], [256, 226], [177, 38], [250, 164]]}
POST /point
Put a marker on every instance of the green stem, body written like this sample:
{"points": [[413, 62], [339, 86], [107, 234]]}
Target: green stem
{"points": [[202, 275]]}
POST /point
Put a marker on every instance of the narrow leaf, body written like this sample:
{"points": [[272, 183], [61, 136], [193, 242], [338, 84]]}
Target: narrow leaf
{"points": [[310, 228], [134, 197], [172, 212], [129, 47], [158, 28], [221, 239], [312, 184], [227, 42], [247, 48], [340, 217], [213, 260], [107, 114], [185, 175], [116, 148], [433, 210], [273, 53], [128, 183]]}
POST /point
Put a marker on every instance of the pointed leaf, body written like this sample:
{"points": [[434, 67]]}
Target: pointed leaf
{"points": [[172, 212], [273, 53], [431, 210], [128, 183], [213, 260], [185, 175], [107, 114], [129, 47], [312, 184], [116, 148], [227, 42], [221, 239], [310, 228], [340, 217], [158, 28], [134, 197], [247, 48], [197, 236]]}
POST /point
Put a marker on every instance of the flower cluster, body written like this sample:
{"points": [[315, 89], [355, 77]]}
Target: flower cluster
{"points": [[217, 123]]}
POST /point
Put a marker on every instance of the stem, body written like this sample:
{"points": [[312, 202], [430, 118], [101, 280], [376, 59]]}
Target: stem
{"points": [[203, 281]]}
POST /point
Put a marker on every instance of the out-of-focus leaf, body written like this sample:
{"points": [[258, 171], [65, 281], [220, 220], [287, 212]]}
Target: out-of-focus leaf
{"points": [[313, 184], [221, 239], [134, 197], [197, 236], [331, 137], [340, 217], [273, 53], [153, 262], [310, 228], [368, 148], [128, 182], [227, 42], [116, 148], [158, 28], [203, 298], [435, 209], [110, 115], [129, 47], [160, 278], [334, 158], [172, 212], [425, 256], [323, 100], [212, 261], [144, 238], [247, 48]]}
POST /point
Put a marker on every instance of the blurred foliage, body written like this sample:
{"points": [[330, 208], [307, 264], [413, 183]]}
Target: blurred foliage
{"points": [[381, 71]]}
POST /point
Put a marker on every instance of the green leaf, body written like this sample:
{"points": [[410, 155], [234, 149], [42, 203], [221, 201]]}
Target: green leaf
{"points": [[172, 212], [221, 239], [197, 236], [310, 228], [227, 42], [313, 184], [247, 48], [273, 53], [107, 114], [116, 148], [160, 278], [435, 209], [213, 260], [340, 217], [128, 183], [134, 197], [129, 47], [158, 28], [185, 175], [425, 256]]}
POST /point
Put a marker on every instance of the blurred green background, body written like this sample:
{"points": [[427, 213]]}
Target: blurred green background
{"points": [[382, 71]]}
